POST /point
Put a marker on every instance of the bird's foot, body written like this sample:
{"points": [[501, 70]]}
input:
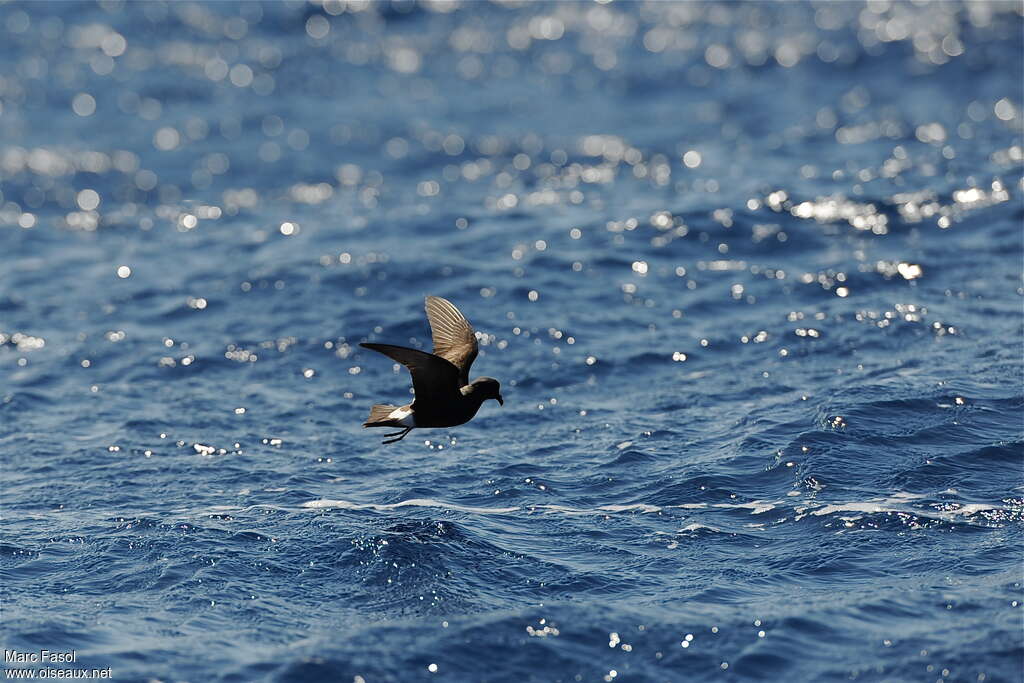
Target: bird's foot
{"points": [[399, 435]]}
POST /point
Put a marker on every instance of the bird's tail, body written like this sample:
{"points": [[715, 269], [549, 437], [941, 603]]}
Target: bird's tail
{"points": [[380, 416]]}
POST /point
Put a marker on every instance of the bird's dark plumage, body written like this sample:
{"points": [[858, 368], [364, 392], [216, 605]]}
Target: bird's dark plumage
{"points": [[444, 395], [433, 378]]}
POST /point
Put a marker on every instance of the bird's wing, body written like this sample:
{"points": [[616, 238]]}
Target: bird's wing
{"points": [[454, 338], [434, 379]]}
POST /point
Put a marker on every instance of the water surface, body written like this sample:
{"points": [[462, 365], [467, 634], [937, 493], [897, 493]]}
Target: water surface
{"points": [[750, 275]]}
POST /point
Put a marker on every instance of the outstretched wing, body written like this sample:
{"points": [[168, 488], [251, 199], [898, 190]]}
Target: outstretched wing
{"points": [[434, 379], [454, 338]]}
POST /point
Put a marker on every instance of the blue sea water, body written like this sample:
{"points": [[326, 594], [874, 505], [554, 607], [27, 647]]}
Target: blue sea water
{"points": [[750, 276]]}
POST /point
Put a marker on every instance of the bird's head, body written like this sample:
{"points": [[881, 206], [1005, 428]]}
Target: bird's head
{"points": [[488, 387]]}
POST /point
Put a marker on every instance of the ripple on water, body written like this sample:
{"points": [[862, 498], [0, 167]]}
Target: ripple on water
{"points": [[760, 362]]}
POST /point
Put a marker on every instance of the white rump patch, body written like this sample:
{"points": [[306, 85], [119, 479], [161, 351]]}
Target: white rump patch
{"points": [[403, 416]]}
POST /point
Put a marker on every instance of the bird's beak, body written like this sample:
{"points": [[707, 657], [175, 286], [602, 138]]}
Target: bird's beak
{"points": [[500, 402]]}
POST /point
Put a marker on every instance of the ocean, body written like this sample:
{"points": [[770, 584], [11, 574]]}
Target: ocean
{"points": [[750, 275]]}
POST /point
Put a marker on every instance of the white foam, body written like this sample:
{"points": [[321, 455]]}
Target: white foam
{"points": [[412, 502], [641, 507], [896, 503], [325, 503], [849, 511], [756, 507]]}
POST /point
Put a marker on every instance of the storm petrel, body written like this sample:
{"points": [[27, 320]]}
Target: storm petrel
{"points": [[440, 380]]}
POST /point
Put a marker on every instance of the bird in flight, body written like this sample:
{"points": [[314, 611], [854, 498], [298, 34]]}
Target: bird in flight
{"points": [[440, 380]]}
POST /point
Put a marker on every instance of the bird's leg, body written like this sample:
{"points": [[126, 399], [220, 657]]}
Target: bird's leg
{"points": [[396, 433], [403, 434]]}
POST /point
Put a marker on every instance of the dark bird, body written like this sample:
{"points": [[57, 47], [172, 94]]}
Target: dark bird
{"points": [[440, 380]]}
